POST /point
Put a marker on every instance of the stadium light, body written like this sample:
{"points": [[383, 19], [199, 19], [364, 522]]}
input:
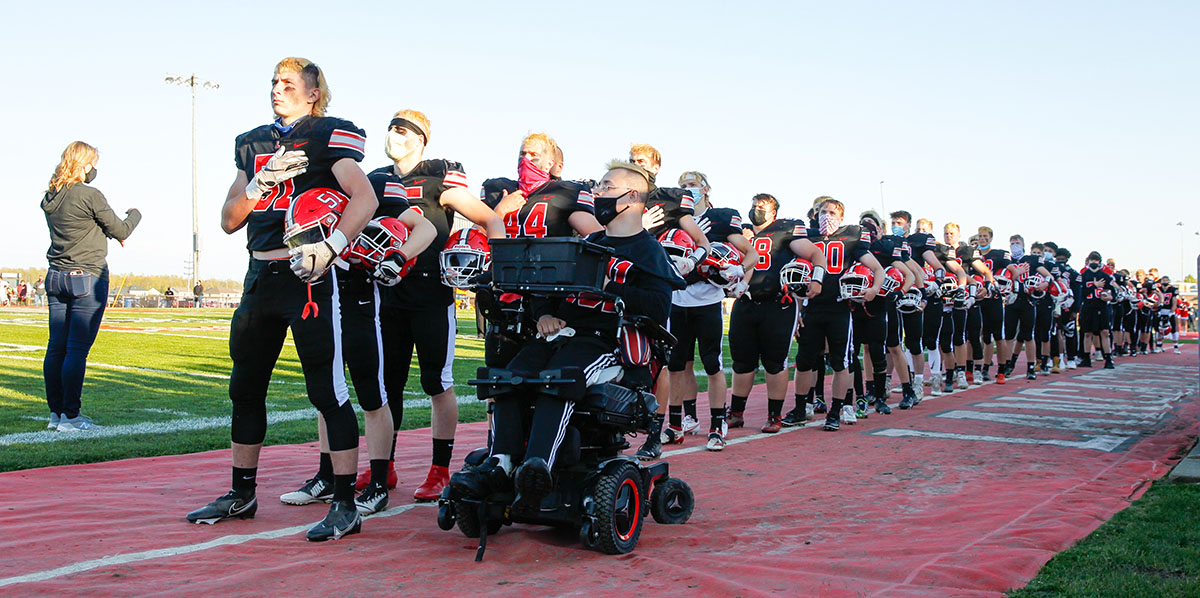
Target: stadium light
{"points": [[194, 82], [1182, 260], [881, 206]]}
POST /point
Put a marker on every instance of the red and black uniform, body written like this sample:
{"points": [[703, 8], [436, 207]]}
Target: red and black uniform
{"points": [[876, 321], [992, 307], [640, 274], [1020, 315], [1095, 314], [696, 311], [762, 320], [494, 190], [914, 323], [675, 203], [273, 298], [944, 327], [419, 310], [827, 319], [971, 259], [546, 213], [1166, 311]]}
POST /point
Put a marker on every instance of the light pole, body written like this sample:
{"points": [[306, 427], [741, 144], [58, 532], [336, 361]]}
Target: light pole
{"points": [[881, 205], [194, 82], [1182, 262]]}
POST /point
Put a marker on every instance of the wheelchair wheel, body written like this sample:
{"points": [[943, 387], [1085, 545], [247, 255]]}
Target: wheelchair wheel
{"points": [[618, 497], [672, 501], [467, 516]]}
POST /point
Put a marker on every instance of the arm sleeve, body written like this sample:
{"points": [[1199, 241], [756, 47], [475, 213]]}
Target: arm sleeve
{"points": [[113, 227]]}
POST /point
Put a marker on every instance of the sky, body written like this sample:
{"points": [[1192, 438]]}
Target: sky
{"points": [[1068, 121]]}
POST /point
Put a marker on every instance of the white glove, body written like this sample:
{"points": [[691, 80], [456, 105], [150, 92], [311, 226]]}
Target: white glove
{"points": [[739, 289], [388, 271], [683, 265], [309, 262], [283, 166], [734, 272]]}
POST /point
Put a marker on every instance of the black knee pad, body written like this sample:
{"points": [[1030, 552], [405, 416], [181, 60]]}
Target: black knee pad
{"points": [[431, 383], [773, 367], [342, 426], [744, 367], [712, 364], [249, 422]]}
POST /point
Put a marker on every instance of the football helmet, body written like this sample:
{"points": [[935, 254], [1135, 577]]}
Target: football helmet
{"points": [[381, 238], [679, 246], [909, 302], [1061, 293], [795, 276], [313, 216], [1004, 286], [855, 282], [722, 266], [949, 288], [1031, 286], [465, 256], [892, 281]]}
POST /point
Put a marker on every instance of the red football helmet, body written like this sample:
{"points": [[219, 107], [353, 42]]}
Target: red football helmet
{"points": [[312, 216], [949, 288], [910, 302], [1004, 286], [1031, 286], [380, 239], [722, 266], [466, 255], [795, 276], [855, 282], [678, 244], [892, 281]]}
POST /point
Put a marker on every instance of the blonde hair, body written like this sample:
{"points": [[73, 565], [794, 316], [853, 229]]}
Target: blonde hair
{"points": [[825, 199], [952, 226], [694, 174], [418, 118], [313, 78], [647, 150], [544, 139], [925, 222], [987, 230], [634, 168], [71, 168]]}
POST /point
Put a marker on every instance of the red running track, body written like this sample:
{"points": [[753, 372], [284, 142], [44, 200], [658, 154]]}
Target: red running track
{"points": [[966, 495]]}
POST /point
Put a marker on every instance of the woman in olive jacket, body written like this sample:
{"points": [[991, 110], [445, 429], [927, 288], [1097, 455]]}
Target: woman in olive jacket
{"points": [[80, 222]]}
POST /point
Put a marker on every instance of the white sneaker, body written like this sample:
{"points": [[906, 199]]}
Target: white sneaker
{"points": [[919, 381], [1071, 364], [848, 416], [960, 380], [76, 424], [808, 410], [935, 390], [716, 439], [1177, 352], [690, 424]]}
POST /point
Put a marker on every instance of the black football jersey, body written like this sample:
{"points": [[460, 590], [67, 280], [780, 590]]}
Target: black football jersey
{"points": [[493, 190], [1033, 261], [324, 140], [945, 253], [901, 243], [675, 203], [887, 251], [393, 196], [1169, 293], [1091, 290], [918, 243], [547, 211], [969, 256], [719, 223], [842, 248], [772, 251], [997, 260]]}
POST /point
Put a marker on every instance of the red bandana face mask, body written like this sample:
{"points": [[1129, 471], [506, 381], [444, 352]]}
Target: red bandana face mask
{"points": [[530, 177]]}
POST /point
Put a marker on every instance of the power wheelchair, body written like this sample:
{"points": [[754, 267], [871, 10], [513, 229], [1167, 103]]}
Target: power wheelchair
{"points": [[598, 490]]}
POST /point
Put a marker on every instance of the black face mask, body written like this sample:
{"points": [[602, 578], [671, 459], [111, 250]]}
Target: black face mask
{"points": [[1093, 266], [90, 176], [606, 208], [758, 216]]}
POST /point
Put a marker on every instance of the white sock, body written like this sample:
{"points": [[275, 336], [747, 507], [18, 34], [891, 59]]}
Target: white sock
{"points": [[505, 462]]}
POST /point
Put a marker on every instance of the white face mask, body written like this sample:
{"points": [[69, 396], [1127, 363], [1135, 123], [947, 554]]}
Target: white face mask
{"points": [[828, 223], [398, 147]]}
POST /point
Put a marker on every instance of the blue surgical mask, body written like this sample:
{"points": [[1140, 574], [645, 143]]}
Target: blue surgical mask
{"points": [[1018, 251], [985, 248], [898, 230]]}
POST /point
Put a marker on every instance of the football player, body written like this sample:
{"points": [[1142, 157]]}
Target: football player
{"points": [[826, 320], [979, 281], [763, 320], [301, 150], [876, 323], [995, 341], [952, 337], [921, 246], [696, 319], [419, 312], [1166, 311], [641, 275], [1094, 317], [1020, 314]]}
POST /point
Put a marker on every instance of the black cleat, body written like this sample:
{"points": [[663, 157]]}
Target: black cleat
{"points": [[819, 405], [795, 417], [373, 499], [343, 520], [227, 507], [482, 480], [1030, 374], [832, 422], [533, 483], [652, 448], [881, 406], [1108, 364]]}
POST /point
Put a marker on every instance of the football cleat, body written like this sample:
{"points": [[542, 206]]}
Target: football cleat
{"points": [[860, 408], [848, 416], [314, 490], [935, 390], [809, 411], [987, 376], [364, 478], [716, 439], [690, 425], [672, 435], [1177, 351], [431, 488], [774, 424], [832, 423], [970, 376], [881, 406], [1030, 374], [909, 400], [1108, 364], [1071, 364], [948, 387], [372, 500], [1001, 378], [795, 417], [736, 419], [960, 380], [342, 520], [652, 448], [819, 405], [229, 506]]}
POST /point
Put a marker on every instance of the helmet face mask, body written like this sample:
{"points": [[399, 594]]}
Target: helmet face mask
{"points": [[722, 266], [795, 276], [855, 283], [909, 302], [382, 238], [892, 281], [466, 256]]}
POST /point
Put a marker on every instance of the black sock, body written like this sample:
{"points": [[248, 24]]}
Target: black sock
{"points": [[850, 396], [325, 471], [880, 386], [392, 454], [689, 408], [343, 487], [906, 387], [836, 407], [971, 365], [244, 480], [774, 407], [717, 414], [675, 413], [985, 369], [442, 449], [812, 393], [856, 368], [737, 404], [800, 398], [379, 471]]}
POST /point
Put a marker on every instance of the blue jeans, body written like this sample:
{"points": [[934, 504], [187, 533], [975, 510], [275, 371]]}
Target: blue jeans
{"points": [[74, 322]]}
